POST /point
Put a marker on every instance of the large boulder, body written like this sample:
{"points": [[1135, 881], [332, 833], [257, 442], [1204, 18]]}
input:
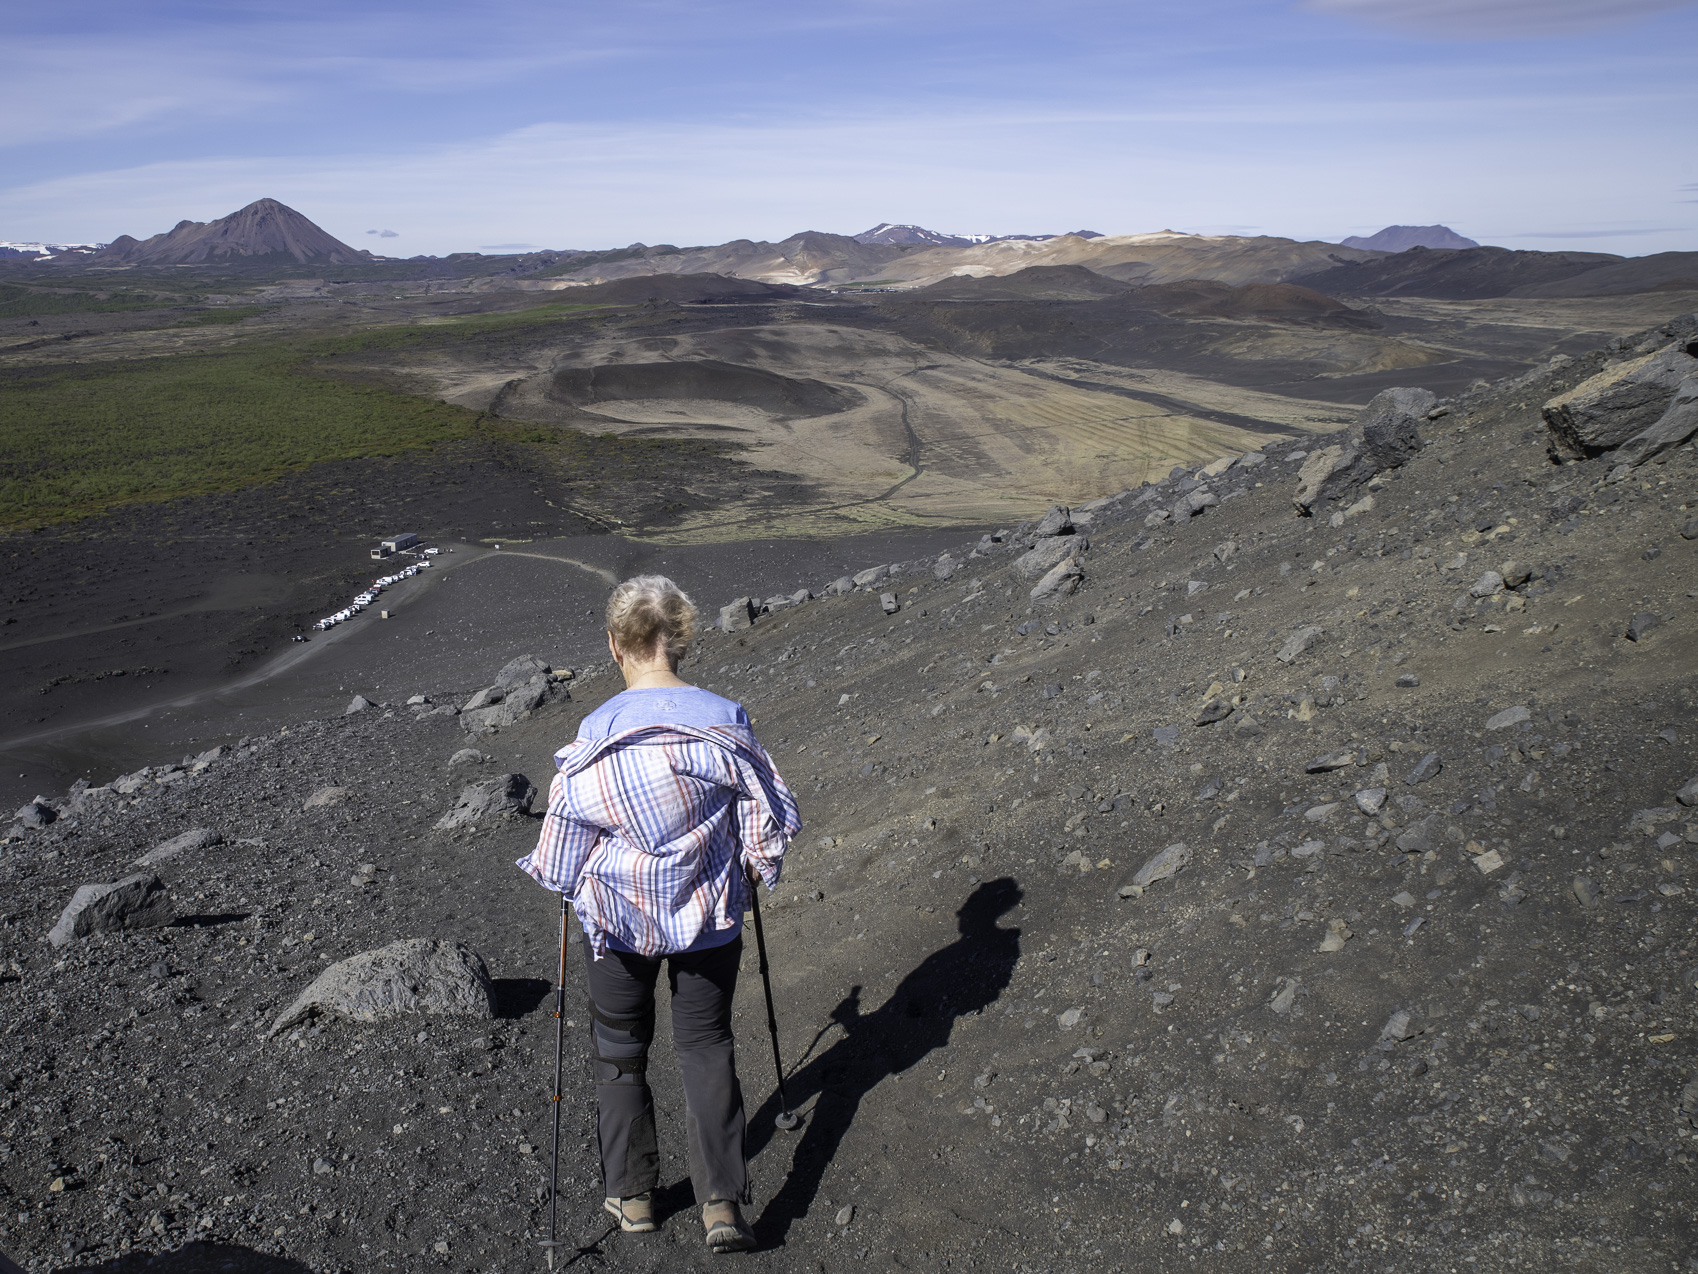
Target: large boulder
{"points": [[509, 794], [135, 902], [1061, 580], [1331, 473], [737, 616], [509, 706], [414, 975], [1058, 521], [519, 671], [1678, 422], [1386, 433], [1047, 553], [38, 813], [1611, 407], [1390, 424]]}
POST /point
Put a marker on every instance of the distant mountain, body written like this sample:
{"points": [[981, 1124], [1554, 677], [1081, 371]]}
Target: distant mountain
{"points": [[1472, 274], [813, 259], [889, 233], [264, 230], [886, 232], [1403, 238]]}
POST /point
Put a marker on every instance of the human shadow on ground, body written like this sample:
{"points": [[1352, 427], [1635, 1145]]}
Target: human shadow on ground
{"points": [[965, 977]]}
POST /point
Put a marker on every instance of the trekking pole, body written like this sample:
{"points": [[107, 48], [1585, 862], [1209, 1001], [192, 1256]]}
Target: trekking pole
{"points": [[559, 1052], [786, 1118]]}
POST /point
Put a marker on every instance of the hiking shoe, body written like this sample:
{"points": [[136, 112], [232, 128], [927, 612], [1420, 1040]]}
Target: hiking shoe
{"points": [[726, 1229], [636, 1214]]}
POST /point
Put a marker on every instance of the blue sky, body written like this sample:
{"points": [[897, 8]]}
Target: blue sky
{"points": [[458, 126]]}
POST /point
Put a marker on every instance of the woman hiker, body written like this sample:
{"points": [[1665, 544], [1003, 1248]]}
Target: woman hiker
{"points": [[663, 808]]}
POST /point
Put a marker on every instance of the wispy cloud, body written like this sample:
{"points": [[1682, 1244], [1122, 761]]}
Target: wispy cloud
{"points": [[1496, 19]]}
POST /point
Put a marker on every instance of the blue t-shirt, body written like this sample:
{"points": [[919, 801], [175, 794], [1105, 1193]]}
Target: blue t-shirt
{"points": [[666, 705], [661, 705]]}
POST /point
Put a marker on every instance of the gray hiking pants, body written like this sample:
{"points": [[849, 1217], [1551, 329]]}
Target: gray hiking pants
{"points": [[622, 1027]]}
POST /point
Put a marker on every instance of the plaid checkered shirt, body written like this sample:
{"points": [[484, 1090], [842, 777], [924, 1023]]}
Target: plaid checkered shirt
{"points": [[645, 832]]}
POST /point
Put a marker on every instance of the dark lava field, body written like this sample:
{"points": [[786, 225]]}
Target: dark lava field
{"points": [[1186, 882]]}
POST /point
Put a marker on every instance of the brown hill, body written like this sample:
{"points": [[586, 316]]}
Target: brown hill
{"points": [[681, 289], [1205, 298], [1466, 274], [265, 229], [1034, 283]]}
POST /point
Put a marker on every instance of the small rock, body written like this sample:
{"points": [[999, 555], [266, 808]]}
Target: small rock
{"points": [[1689, 531], [467, 756], [488, 697], [1214, 710], [138, 901], [1489, 862], [839, 586], [1071, 1018], [1641, 624], [1688, 795], [1408, 681], [1285, 997], [189, 842], [414, 975], [1490, 584], [359, 703], [1508, 717], [321, 1168], [326, 796], [888, 603], [872, 575], [1371, 800], [1428, 768], [1166, 735], [1332, 761], [845, 1215], [1298, 643], [417, 701], [1169, 862], [1403, 898], [1320, 813], [1401, 1025], [1585, 892], [1515, 574]]}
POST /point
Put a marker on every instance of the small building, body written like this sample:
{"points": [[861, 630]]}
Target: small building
{"points": [[395, 544]]}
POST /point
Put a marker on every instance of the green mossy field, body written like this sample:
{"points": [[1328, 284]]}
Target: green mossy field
{"points": [[76, 440], [20, 302]]}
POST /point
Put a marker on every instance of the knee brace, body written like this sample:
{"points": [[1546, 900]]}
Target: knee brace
{"points": [[630, 1036]]}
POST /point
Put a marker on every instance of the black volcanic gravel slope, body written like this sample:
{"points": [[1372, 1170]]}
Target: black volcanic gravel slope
{"points": [[1455, 1034]]}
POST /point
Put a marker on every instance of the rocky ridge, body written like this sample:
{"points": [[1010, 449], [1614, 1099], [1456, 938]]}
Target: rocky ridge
{"points": [[1284, 884]]}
